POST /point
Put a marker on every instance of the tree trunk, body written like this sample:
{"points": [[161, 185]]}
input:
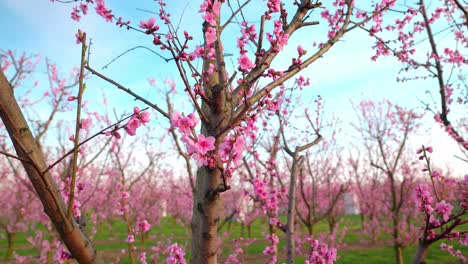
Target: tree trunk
{"points": [[207, 211], [332, 225], [216, 118], [11, 244], [398, 254], [395, 222], [34, 163], [421, 253], [311, 228], [290, 243], [362, 220]]}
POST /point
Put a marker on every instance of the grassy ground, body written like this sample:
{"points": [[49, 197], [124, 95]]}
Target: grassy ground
{"points": [[111, 241]]}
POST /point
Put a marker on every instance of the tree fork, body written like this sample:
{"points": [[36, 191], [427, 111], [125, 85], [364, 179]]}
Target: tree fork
{"points": [[34, 163]]}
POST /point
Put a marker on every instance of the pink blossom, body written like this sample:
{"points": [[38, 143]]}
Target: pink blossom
{"points": [[61, 255], [143, 226], [132, 126], [185, 124], [176, 254], [80, 37], [103, 11], [245, 64], [142, 257], [144, 117], [86, 123], [75, 14], [300, 50], [205, 144], [124, 195], [444, 209], [84, 8], [210, 36], [149, 25], [136, 120]]}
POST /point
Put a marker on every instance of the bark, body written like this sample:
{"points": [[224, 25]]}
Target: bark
{"points": [[290, 243], [11, 245], [207, 211], [398, 254], [421, 253], [208, 206], [332, 225], [396, 218], [311, 228], [34, 163]]}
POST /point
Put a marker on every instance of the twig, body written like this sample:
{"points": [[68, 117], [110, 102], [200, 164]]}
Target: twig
{"points": [[81, 88], [87, 140], [127, 90], [132, 49]]}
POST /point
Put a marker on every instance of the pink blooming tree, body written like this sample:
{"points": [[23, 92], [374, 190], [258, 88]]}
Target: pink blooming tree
{"points": [[20, 208], [321, 187], [430, 40], [370, 191], [226, 100], [385, 129], [444, 213]]}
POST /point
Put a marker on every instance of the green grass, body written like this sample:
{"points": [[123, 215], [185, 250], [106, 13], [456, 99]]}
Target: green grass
{"points": [[113, 239], [385, 255]]}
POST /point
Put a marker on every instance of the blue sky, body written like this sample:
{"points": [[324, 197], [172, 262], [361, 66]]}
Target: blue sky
{"points": [[345, 73]]}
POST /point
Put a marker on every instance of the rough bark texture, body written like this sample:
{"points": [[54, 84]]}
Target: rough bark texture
{"points": [[421, 253], [207, 212], [290, 245], [34, 163], [208, 207]]}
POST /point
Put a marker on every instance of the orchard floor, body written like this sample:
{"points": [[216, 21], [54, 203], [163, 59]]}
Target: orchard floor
{"points": [[110, 240]]}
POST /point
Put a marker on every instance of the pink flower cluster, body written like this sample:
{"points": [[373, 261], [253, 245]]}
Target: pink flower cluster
{"points": [[176, 254], [86, 123], [453, 252], [231, 149], [335, 19], [274, 6], [271, 249], [143, 226], [449, 130], [235, 256], [198, 146], [101, 10], [248, 34], [210, 10], [269, 199], [444, 209], [75, 14], [76, 206], [138, 118], [279, 38], [61, 255], [320, 253], [123, 206]]}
